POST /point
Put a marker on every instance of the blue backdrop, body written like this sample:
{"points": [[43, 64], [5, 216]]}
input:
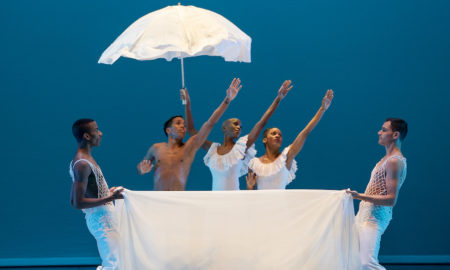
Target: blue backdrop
{"points": [[382, 58]]}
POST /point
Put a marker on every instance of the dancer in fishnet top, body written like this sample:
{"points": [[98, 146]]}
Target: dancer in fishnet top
{"points": [[377, 202]]}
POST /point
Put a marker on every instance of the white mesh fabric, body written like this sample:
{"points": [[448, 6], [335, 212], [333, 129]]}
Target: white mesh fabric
{"points": [[379, 214], [102, 186]]}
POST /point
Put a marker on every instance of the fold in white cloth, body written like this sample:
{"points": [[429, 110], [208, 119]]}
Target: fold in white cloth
{"points": [[215, 230]]}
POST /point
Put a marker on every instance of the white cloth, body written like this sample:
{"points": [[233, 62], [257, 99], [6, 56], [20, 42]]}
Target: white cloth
{"points": [[260, 230], [101, 220], [273, 175], [226, 169]]}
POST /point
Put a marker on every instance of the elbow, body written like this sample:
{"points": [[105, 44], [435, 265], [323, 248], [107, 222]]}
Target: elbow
{"points": [[391, 202], [77, 204]]}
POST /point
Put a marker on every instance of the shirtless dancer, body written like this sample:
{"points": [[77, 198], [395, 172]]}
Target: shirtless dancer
{"points": [[377, 202], [91, 194], [173, 159]]}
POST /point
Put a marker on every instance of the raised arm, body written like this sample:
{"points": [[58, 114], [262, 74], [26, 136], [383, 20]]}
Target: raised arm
{"points": [[81, 172], [298, 143], [145, 166], [190, 119], [254, 134], [204, 131], [394, 170]]}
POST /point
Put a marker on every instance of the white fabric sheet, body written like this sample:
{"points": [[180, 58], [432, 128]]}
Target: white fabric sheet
{"points": [[215, 230]]}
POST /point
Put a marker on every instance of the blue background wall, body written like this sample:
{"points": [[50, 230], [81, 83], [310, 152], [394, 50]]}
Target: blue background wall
{"points": [[382, 58]]}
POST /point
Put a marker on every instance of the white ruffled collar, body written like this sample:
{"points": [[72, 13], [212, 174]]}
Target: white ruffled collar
{"points": [[269, 169], [239, 152]]}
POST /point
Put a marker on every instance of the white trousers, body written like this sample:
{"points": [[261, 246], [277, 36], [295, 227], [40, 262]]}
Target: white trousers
{"points": [[103, 226], [369, 241]]}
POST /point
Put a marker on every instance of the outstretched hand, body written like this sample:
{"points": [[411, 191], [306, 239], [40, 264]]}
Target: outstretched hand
{"points": [[284, 89], [184, 96], [326, 101], [233, 90], [145, 166]]}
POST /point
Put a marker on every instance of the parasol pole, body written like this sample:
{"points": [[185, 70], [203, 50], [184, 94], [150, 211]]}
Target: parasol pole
{"points": [[183, 101]]}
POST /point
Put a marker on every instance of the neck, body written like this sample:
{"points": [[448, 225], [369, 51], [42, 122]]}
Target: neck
{"points": [[227, 140], [272, 152], [175, 142], [393, 148], [84, 147]]}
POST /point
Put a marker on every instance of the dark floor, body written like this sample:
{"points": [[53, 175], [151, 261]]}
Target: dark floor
{"points": [[388, 267]]}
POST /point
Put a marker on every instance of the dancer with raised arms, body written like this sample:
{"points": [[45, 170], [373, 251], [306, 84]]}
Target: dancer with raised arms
{"points": [[173, 160], [229, 160], [275, 170]]}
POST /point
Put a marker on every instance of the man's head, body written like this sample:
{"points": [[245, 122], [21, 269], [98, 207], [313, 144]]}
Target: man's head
{"points": [[86, 130], [175, 127], [393, 129], [232, 127], [272, 137]]}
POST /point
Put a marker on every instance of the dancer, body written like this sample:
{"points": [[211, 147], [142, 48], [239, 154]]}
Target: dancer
{"points": [[173, 159], [229, 161], [276, 170], [91, 194], [377, 202]]}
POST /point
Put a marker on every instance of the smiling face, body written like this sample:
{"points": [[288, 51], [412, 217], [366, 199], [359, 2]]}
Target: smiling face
{"points": [[273, 138], [232, 128], [177, 128]]}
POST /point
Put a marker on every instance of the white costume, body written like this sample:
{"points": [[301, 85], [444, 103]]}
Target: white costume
{"points": [[374, 219], [101, 222], [226, 169], [273, 175]]}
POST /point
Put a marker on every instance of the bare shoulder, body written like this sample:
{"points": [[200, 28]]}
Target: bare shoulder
{"points": [[395, 164], [81, 169], [159, 145]]}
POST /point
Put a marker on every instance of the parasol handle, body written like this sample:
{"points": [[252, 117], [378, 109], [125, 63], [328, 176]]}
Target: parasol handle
{"points": [[182, 79]]}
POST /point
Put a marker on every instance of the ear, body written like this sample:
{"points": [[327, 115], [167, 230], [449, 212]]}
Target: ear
{"points": [[168, 131], [396, 135], [86, 136], [264, 140]]}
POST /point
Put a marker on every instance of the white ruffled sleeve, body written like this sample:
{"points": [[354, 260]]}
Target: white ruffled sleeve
{"points": [[248, 155], [294, 168]]}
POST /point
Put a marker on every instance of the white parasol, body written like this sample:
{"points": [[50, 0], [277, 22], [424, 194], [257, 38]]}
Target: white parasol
{"points": [[180, 32]]}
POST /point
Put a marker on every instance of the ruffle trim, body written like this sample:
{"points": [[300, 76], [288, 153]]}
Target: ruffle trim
{"points": [[268, 169], [237, 153]]}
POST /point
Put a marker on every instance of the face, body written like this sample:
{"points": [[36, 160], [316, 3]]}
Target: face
{"points": [[95, 135], [232, 128], [386, 135], [177, 129], [274, 138]]}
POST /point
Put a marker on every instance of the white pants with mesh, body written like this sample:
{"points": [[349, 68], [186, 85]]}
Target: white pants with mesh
{"points": [[103, 226], [369, 242]]}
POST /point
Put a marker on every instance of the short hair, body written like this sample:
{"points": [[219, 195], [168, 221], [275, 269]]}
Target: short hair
{"points": [[168, 123], [400, 125], [80, 127]]}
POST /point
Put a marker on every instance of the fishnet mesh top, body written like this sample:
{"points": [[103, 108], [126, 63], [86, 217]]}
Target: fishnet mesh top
{"points": [[379, 214], [102, 186]]}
